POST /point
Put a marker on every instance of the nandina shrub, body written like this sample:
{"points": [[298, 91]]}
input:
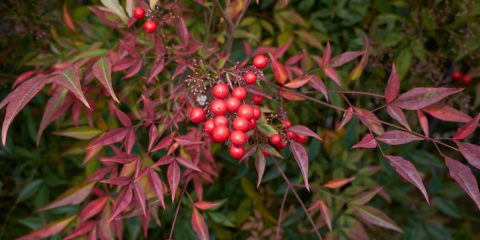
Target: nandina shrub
{"points": [[166, 95]]}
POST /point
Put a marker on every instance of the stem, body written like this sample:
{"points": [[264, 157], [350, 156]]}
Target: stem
{"points": [[280, 217], [177, 211]]}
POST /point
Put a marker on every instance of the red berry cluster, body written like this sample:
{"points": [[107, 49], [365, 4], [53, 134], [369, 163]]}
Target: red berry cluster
{"points": [[232, 117], [149, 26], [465, 79], [279, 142]]}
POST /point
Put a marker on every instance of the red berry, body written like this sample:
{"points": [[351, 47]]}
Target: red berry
{"points": [[260, 61], [220, 91], [197, 115], [253, 123], [286, 123], [232, 104], [281, 145], [301, 139], [291, 135], [237, 152], [257, 99], [457, 75], [220, 134], [150, 26], [209, 126], [275, 139], [220, 121], [256, 113], [245, 111], [239, 93], [139, 13], [241, 124], [238, 138], [218, 107], [250, 77], [466, 79]]}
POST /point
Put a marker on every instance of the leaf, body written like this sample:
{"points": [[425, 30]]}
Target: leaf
{"points": [[67, 19], [183, 31], [73, 196], [187, 163], [153, 3], [368, 141], [81, 230], [199, 225], [113, 136], [444, 112], [397, 137], [465, 178], [185, 140], [48, 230], [467, 129], [471, 152], [347, 116], [279, 71], [157, 186], [330, 72], [344, 58], [51, 109], [365, 197], [29, 190], [376, 217], [92, 209], [317, 83], [130, 140], [122, 202], [304, 131], [260, 163], [297, 83], [82, 133], [152, 136], [408, 172], [203, 205], [338, 183], [397, 114], [70, 79], [423, 121], [326, 55], [116, 8], [173, 176], [102, 70], [129, 5], [370, 120], [140, 196], [301, 157], [292, 96], [422, 97], [393, 86], [159, 63], [326, 214], [124, 119], [358, 70]]}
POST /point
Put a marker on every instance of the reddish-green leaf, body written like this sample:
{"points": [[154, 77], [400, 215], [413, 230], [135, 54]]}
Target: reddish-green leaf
{"points": [[183, 31], [260, 163], [393, 86], [173, 176], [82, 133], [467, 129], [159, 63], [157, 186], [122, 202], [140, 196], [81, 230], [332, 74], [423, 121], [408, 172], [338, 183], [92, 209], [376, 217], [70, 79], [326, 55], [73, 196], [49, 229], [187, 163], [102, 70], [446, 113], [365, 197], [358, 70], [199, 225], [397, 137], [344, 58], [51, 110], [301, 157], [187, 140], [204, 205], [465, 178], [326, 214], [471, 152], [304, 131], [369, 120], [67, 19], [368, 141], [297, 83], [279, 71], [422, 97], [113, 136], [347, 116], [397, 114], [317, 83]]}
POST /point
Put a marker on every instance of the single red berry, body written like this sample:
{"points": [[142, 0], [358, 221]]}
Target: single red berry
{"points": [[220, 91], [239, 93], [237, 152], [250, 77], [253, 124], [197, 115], [281, 145], [232, 104], [301, 139], [241, 124], [260, 61], [466, 79], [220, 134], [218, 107], [150, 26], [245, 111], [256, 113], [220, 121], [139, 13], [238, 138], [286, 123], [457, 75], [275, 139], [291, 135], [209, 126], [257, 99]]}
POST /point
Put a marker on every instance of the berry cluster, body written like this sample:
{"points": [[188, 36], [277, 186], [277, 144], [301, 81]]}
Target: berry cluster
{"points": [[464, 79], [232, 117], [279, 142], [149, 26]]}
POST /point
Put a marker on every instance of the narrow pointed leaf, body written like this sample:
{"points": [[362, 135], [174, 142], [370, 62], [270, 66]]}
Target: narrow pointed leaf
{"points": [[51, 109], [471, 152], [70, 79], [304, 131], [423, 121], [92, 209], [326, 214], [408, 172], [326, 55], [397, 137], [465, 178], [82, 133], [123, 201], [370, 120], [279, 71], [376, 217], [397, 114], [422, 97], [49, 229], [368, 141], [140, 196], [82, 229], [187, 140], [113, 136], [73, 196], [317, 83], [344, 58], [347, 116], [365, 197], [444, 112], [358, 70], [173, 176], [199, 225], [393, 86], [467, 129], [102, 70], [183, 31], [297, 83], [260, 163], [187, 163], [338, 183], [301, 157], [204, 205], [157, 186]]}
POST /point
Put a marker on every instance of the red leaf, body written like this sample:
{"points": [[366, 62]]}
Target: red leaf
{"points": [[347, 116], [369, 120], [344, 58], [376, 217], [130, 140], [165, 160], [317, 83], [393, 86], [423, 121], [279, 52], [73, 196], [25, 76], [122, 159], [122, 202], [358, 70], [326, 55], [330, 72], [124, 119], [157, 186], [159, 63], [183, 31], [397, 137], [446, 113], [465, 178], [173, 176], [140, 196], [102, 70], [471, 152], [199, 225], [113, 136], [467, 129], [326, 214], [187, 163], [186, 140], [338, 183], [203, 205], [92, 209], [422, 97], [81, 230], [365, 197], [152, 136], [408, 172], [67, 19], [134, 69], [181, 68], [118, 181], [50, 111], [297, 83], [294, 59], [292, 96], [279, 71], [397, 114], [260, 163], [48, 230], [301, 157], [70, 79], [368, 141], [304, 131]]}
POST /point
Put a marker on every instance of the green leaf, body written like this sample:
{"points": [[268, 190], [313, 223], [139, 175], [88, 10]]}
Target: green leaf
{"points": [[82, 133], [116, 8], [29, 190]]}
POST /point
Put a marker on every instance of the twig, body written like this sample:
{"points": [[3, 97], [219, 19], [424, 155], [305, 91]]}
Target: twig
{"points": [[280, 217]]}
